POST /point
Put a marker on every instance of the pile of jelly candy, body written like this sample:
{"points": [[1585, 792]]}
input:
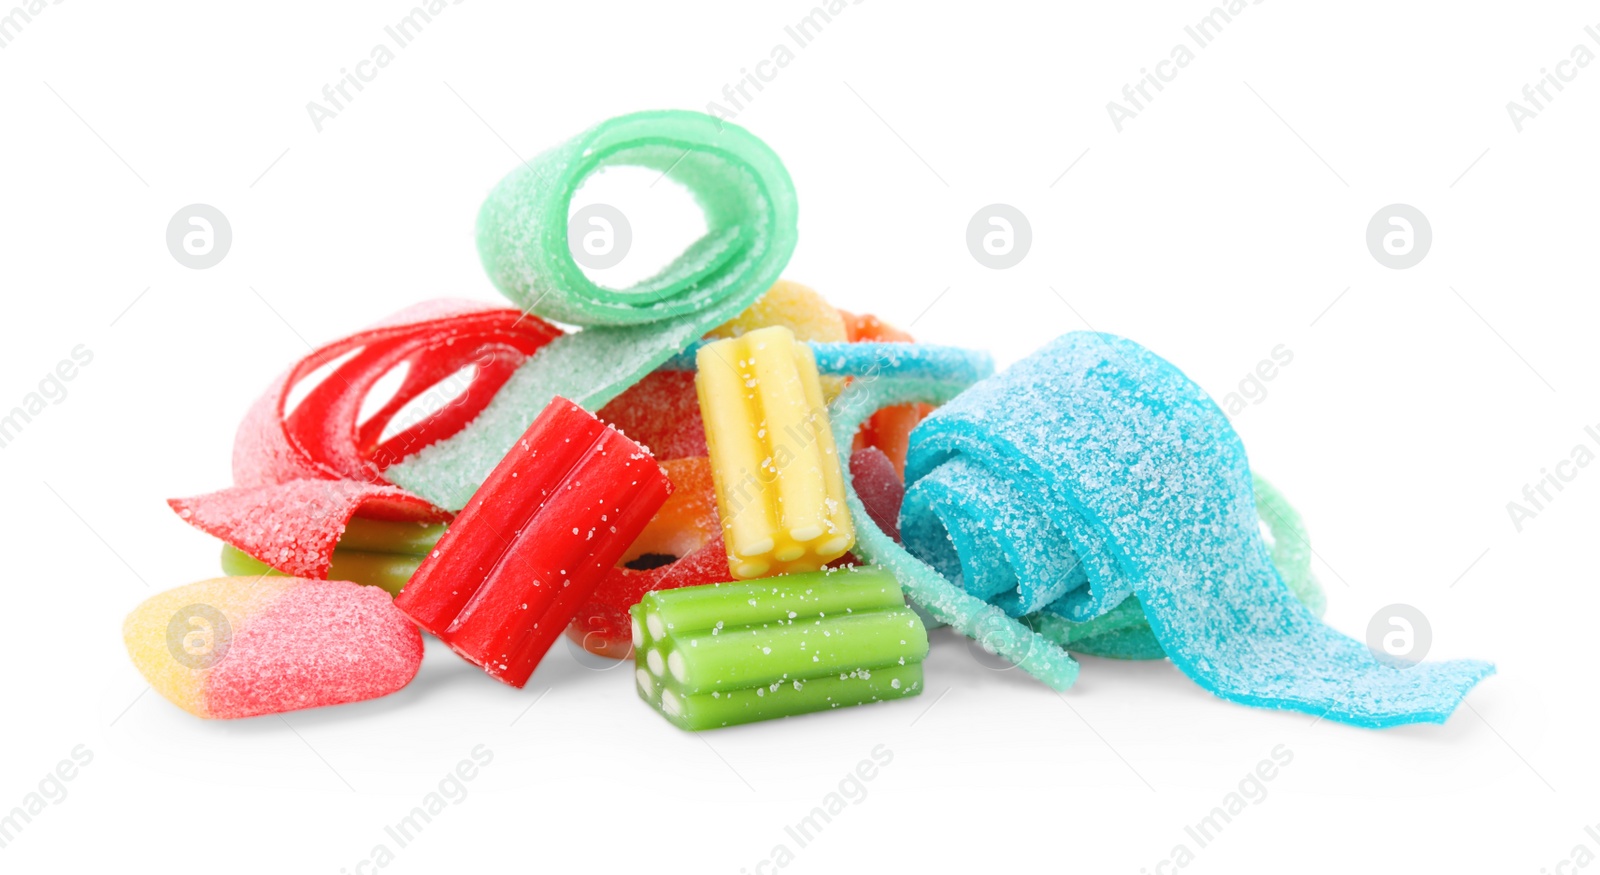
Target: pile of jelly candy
{"points": [[762, 500]]}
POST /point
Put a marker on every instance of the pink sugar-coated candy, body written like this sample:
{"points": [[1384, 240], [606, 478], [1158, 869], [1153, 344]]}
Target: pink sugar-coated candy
{"points": [[245, 646], [880, 488], [295, 526]]}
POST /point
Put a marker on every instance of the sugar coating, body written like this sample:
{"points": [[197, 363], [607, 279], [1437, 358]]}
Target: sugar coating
{"points": [[801, 310], [295, 526], [662, 413], [325, 642], [686, 526], [990, 538], [1113, 451], [283, 644], [934, 376], [794, 306], [890, 428], [745, 651], [1290, 545], [1121, 632], [547, 526], [749, 204], [264, 452], [920, 363]]}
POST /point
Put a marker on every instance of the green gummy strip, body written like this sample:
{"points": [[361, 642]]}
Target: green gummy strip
{"points": [[384, 536], [387, 571], [812, 594], [781, 649], [1291, 546], [699, 711], [750, 213], [1136, 642], [1128, 615]]}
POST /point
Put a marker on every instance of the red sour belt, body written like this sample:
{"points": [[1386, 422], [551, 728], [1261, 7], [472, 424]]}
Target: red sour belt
{"points": [[323, 435], [301, 473]]}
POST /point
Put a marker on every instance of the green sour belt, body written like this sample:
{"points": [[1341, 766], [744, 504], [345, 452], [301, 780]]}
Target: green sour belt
{"points": [[750, 213]]}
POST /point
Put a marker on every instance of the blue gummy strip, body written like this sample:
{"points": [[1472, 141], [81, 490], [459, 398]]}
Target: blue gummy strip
{"points": [[1127, 458], [984, 535], [933, 594]]}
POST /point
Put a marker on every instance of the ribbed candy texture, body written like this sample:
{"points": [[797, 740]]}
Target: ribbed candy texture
{"points": [[551, 520], [728, 653], [780, 490]]}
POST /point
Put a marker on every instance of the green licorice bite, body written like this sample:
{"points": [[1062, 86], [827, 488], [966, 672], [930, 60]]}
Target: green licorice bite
{"points": [[731, 653]]}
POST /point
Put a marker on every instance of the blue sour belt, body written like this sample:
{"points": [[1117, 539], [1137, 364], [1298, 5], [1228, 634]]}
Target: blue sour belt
{"points": [[1095, 473]]}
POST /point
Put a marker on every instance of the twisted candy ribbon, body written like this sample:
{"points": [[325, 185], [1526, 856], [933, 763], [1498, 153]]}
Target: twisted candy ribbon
{"points": [[750, 213], [302, 472], [1098, 473], [1124, 633]]}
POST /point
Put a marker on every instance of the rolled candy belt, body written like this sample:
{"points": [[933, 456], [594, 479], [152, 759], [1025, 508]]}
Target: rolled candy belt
{"points": [[750, 212], [1096, 472]]}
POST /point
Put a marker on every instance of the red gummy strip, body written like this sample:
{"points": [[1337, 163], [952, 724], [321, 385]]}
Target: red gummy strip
{"points": [[890, 428], [322, 437], [294, 526], [535, 540], [300, 477], [687, 527]]}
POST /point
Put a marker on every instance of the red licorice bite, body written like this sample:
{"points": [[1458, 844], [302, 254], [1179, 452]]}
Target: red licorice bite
{"points": [[541, 533]]}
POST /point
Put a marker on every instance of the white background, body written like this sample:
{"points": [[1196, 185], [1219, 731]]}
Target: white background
{"points": [[1416, 407]]}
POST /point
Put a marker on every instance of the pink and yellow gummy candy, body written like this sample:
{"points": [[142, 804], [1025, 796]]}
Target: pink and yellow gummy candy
{"points": [[246, 646]]}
